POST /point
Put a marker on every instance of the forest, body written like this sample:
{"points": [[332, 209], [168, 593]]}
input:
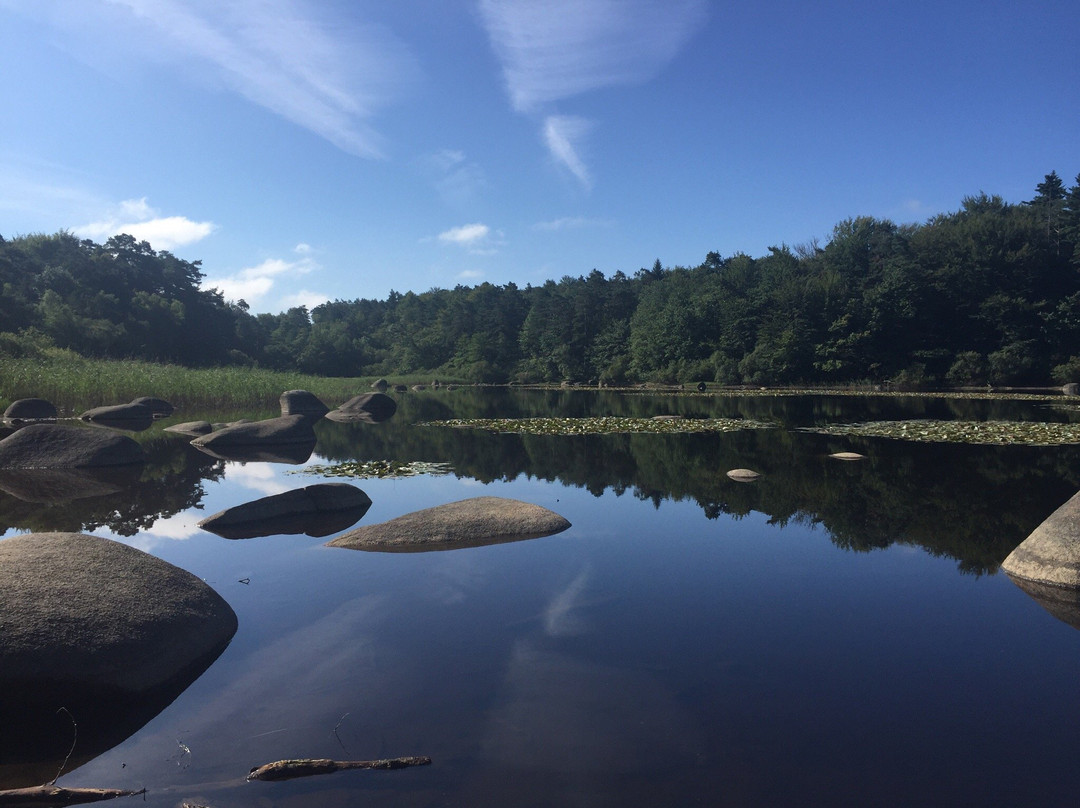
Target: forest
{"points": [[986, 295]]}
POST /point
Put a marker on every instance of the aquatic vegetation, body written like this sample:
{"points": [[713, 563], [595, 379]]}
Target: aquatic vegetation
{"points": [[994, 433], [603, 425], [382, 469]]}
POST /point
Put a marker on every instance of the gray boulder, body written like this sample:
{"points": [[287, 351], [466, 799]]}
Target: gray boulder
{"points": [[380, 385], [285, 430], [158, 406], [1051, 554], [107, 632], [191, 428], [30, 409], [44, 446], [369, 407], [317, 510], [1071, 389], [301, 402], [134, 417], [743, 475], [472, 522]]}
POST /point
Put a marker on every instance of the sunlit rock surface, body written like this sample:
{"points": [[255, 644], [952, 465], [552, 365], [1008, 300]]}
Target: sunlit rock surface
{"points": [[97, 635], [471, 522], [1051, 554]]}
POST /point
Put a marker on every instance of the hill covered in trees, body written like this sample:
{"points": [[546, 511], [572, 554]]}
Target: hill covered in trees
{"points": [[987, 294]]}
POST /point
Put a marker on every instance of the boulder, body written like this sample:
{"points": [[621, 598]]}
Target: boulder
{"points": [[134, 417], [317, 510], [158, 406], [380, 385], [743, 475], [284, 430], [44, 446], [30, 409], [191, 428], [472, 522], [95, 637], [301, 402], [370, 407], [1051, 554], [1071, 389]]}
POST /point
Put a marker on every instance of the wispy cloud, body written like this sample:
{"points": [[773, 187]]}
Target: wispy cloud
{"points": [[563, 135], [571, 223], [329, 76], [254, 284], [467, 234], [457, 179], [554, 49], [136, 218]]}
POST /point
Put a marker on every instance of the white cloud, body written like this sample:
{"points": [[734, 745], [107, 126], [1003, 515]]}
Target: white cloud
{"points": [[326, 75], [305, 298], [255, 283], [470, 275], [571, 223], [136, 218], [467, 234], [562, 135], [554, 49]]}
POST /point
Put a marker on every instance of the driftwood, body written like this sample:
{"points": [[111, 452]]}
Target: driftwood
{"points": [[288, 769], [49, 795]]}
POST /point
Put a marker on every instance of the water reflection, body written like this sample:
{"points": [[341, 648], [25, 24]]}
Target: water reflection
{"points": [[971, 503]]}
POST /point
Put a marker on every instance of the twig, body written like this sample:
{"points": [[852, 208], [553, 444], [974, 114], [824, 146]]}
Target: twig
{"points": [[74, 740], [288, 769], [51, 795]]}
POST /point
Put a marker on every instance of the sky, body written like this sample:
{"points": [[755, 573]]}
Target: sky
{"points": [[314, 150]]}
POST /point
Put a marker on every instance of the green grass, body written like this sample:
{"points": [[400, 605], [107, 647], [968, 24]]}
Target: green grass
{"points": [[76, 384]]}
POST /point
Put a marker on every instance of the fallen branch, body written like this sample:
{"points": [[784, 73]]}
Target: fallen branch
{"points": [[288, 769], [50, 795]]}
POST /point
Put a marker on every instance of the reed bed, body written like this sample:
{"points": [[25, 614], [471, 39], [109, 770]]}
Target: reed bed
{"points": [[76, 383]]}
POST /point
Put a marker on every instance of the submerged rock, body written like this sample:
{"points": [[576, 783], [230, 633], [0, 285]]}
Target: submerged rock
{"points": [[30, 409], [93, 634], [1051, 554], [317, 510], [301, 402], [472, 522], [43, 446]]}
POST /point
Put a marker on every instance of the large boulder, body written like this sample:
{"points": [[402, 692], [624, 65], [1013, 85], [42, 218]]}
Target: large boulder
{"points": [[95, 637], [44, 446], [1051, 554], [369, 407], [472, 522], [301, 402], [287, 430], [158, 406], [30, 409], [317, 510], [134, 417]]}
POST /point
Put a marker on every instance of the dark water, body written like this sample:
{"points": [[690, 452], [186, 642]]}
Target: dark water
{"points": [[835, 634]]}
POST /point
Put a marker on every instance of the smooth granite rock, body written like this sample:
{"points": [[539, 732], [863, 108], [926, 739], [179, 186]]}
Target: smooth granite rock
{"points": [[281, 431], [743, 475], [191, 428], [30, 409], [134, 417], [317, 510], [301, 402], [43, 446], [472, 522], [1051, 554], [369, 407], [158, 406]]}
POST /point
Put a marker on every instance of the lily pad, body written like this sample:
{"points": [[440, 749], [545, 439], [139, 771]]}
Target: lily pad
{"points": [[383, 469], [992, 433], [603, 425]]}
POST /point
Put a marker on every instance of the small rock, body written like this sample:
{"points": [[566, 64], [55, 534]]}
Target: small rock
{"points": [[847, 456], [191, 428], [743, 475]]}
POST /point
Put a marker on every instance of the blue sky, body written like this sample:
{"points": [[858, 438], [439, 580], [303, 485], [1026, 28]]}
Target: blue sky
{"points": [[308, 150]]}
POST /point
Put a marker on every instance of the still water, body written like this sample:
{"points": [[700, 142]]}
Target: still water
{"points": [[835, 634]]}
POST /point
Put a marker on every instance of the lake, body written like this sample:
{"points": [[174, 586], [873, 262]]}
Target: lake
{"points": [[833, 634]]}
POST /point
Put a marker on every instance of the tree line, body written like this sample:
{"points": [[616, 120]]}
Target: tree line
{"points": [[987, 294]]}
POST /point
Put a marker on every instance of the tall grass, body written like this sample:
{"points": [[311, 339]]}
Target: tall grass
{"points": [[76, 384]]}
